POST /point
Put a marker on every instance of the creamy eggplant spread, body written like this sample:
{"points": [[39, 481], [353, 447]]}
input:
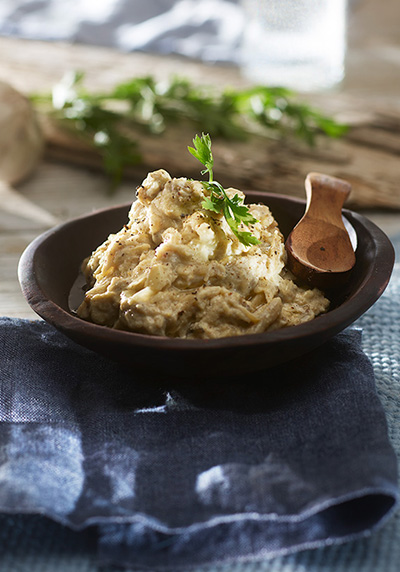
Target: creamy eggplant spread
{"points": [[176, 269]]}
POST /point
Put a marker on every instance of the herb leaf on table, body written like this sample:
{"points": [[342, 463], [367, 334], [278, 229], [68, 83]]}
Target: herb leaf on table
{"points": [[105, 120]]}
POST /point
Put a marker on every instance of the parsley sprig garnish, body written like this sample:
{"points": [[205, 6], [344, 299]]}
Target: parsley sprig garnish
{"points": [[233, 209]]}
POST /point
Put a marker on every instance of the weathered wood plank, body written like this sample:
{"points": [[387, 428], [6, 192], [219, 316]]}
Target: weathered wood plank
{"points": [[368, 157]]}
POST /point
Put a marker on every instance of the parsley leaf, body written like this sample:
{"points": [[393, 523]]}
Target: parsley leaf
{"points": [[202, 152], [233, 209]]}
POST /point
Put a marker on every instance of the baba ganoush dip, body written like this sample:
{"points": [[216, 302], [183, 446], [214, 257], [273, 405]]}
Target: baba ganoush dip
{"points": [[176, 269]]}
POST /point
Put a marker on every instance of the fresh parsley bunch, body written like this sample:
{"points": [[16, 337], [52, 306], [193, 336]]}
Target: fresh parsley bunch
{"points": [[233, 209], [108, 120]]}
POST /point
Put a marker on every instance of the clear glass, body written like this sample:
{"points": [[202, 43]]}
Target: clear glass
{"points": [[299, 44]]}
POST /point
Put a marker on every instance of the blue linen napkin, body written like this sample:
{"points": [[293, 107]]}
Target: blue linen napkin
{"points": [[294, 457]]}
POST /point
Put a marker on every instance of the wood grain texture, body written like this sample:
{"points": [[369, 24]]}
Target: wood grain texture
{"points": [[368, 152]]}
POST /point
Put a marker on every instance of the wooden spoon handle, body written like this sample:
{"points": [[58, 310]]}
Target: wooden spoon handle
{"points": [[325, 197]]}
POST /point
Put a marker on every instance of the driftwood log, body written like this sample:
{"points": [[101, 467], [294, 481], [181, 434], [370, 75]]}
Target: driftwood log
{"points": [[367, 157]]}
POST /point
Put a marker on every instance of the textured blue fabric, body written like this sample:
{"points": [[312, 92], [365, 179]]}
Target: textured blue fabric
{"points": [[240, 471], [317, 436]]}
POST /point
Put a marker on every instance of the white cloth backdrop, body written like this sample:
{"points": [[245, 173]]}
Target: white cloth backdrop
{"points": [[208, 30]]}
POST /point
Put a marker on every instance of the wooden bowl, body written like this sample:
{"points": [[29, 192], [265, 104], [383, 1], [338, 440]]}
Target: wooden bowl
{"points": [[49, 267]]}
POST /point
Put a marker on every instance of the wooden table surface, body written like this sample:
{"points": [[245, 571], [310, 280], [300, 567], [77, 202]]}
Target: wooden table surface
{"points": [[369, 96]]}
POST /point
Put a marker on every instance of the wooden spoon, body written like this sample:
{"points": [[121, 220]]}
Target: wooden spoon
{"points": [[319, 248]]}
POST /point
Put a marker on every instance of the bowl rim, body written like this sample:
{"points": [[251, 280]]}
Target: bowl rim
{"points": [[346, 313]]}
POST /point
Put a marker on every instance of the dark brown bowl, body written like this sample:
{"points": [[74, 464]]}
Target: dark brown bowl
{"points": [[49, 267]]}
